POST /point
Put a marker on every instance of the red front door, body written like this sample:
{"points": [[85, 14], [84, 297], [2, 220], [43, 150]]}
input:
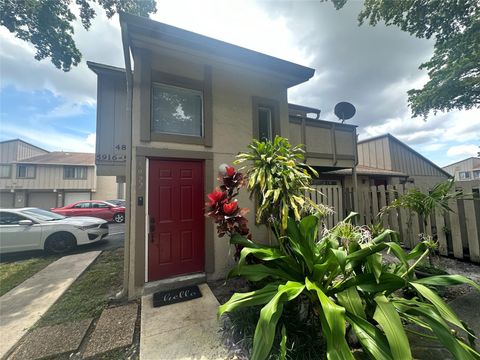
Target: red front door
{"points": [[176, 228]]}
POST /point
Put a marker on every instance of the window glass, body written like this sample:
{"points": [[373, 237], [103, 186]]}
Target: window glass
{"points": [[83, 205], [264, 124], [476, 174], [99, 205], [464, 175], [41, 214], [7, 218], [74, 172], [5, 171], [25, 171], [176, 110]]}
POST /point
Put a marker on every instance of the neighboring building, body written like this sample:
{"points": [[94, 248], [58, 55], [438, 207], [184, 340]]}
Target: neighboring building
{"points": [[32, 176], [385, 160], [465, 170], [190, 104]]}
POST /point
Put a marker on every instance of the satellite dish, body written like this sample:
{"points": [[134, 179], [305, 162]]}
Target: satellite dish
{"points": [[344, 111]]}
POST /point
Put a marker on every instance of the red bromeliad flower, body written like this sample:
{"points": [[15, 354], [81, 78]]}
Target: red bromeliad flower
{"points": [[215, 196], [230, 170], [230, 208]]}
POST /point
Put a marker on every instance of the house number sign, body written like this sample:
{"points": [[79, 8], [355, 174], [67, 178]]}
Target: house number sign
{"points": [[162, 298]]}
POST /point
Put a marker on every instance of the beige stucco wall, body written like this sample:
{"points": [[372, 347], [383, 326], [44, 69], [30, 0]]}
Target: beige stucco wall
{"points": [[106, 188]]}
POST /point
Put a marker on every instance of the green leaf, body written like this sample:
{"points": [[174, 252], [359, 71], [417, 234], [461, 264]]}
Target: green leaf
{"points": [[269, 316], [446, 280], [374, 262], [388, 318], [252, 298], [370, 337], [428, 312], [259, 272], [332, 317], [283, 344], [367, 282], [444, 309], [351, 301]]}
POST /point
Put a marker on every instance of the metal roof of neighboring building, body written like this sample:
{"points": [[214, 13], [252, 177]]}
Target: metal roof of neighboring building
{"points": [[416, 153], [62, 158], [367, 170], [150, 29]]}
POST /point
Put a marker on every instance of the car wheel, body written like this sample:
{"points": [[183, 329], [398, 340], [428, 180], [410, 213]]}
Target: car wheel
{"points": [[60, 243], [119, 218]]}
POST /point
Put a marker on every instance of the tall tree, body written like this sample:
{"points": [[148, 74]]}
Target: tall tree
{"points": [[454, 68], [47, 24]]}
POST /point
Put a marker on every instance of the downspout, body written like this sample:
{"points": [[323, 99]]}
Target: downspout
{"points": [[128, 175]]}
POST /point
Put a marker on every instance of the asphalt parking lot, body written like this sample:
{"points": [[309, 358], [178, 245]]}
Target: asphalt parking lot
{"points": [[115, 238]]}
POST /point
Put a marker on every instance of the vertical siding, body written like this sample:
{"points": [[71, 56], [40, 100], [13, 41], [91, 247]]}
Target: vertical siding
{"points": [[8, 152], [25, 151], [465, 165], [407, 161], [375, 153], [49, 177]]}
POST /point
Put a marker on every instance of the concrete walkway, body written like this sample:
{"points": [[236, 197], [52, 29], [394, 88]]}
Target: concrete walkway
{"points": [[23, 306], [186, 330]]}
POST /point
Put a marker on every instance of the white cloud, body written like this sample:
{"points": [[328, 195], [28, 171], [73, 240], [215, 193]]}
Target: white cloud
{"points": [[463, 150], [50, 138]]}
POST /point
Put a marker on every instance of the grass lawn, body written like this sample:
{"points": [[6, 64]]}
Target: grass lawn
{"points": [[90, 293], [15, 272]]}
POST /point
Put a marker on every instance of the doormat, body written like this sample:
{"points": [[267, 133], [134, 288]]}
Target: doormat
{"points": [[186, 293]]}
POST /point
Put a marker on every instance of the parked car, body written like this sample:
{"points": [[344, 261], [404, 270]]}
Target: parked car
{"points": [[37, 229], [117, 202], [101, 209]]}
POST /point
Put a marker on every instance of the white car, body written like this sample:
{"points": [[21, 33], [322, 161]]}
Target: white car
{"points": [[36, 229]]}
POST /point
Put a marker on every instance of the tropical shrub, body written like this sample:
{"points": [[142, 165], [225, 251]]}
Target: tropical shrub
{"points": [[278, 180], [338, 276], [342, 278]]}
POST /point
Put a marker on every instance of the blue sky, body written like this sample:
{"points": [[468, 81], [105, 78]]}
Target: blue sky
{"points": [[372, 67]]}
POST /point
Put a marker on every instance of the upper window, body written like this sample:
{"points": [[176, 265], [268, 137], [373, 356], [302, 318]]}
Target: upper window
{"points": [[476, 174], [5, 171], [265, 126], [177, 110], [266, 122], [464, 175], [25, 171], [74, 172]]}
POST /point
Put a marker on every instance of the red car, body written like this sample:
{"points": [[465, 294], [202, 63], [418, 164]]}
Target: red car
{"points": [[100, 209]]}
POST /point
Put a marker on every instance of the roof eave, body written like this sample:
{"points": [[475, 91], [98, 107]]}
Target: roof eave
{"points": [[180, 37]]}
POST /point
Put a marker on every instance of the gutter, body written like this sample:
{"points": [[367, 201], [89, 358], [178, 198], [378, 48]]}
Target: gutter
{"points": [[128, 191]]}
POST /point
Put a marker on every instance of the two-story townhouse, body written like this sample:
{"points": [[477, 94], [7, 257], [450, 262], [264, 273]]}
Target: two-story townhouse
{"points": [[32, 176], [183, 105], [465, 170]]}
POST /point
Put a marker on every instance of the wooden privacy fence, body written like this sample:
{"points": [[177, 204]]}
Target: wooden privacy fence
{"points": [[457, 232]]}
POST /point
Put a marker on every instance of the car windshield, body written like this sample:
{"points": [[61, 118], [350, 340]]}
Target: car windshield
{"points": [[43, 215]]}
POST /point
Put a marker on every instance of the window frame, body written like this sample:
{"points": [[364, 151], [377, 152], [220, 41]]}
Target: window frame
{"points": [[26, 177], [146, 76], [274, 107], [85, 168], [466, 175], [9, 166], [476, 172]]}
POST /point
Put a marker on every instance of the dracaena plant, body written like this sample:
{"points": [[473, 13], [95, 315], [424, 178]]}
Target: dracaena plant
{"points": [[342, 277], [278, 180]]}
